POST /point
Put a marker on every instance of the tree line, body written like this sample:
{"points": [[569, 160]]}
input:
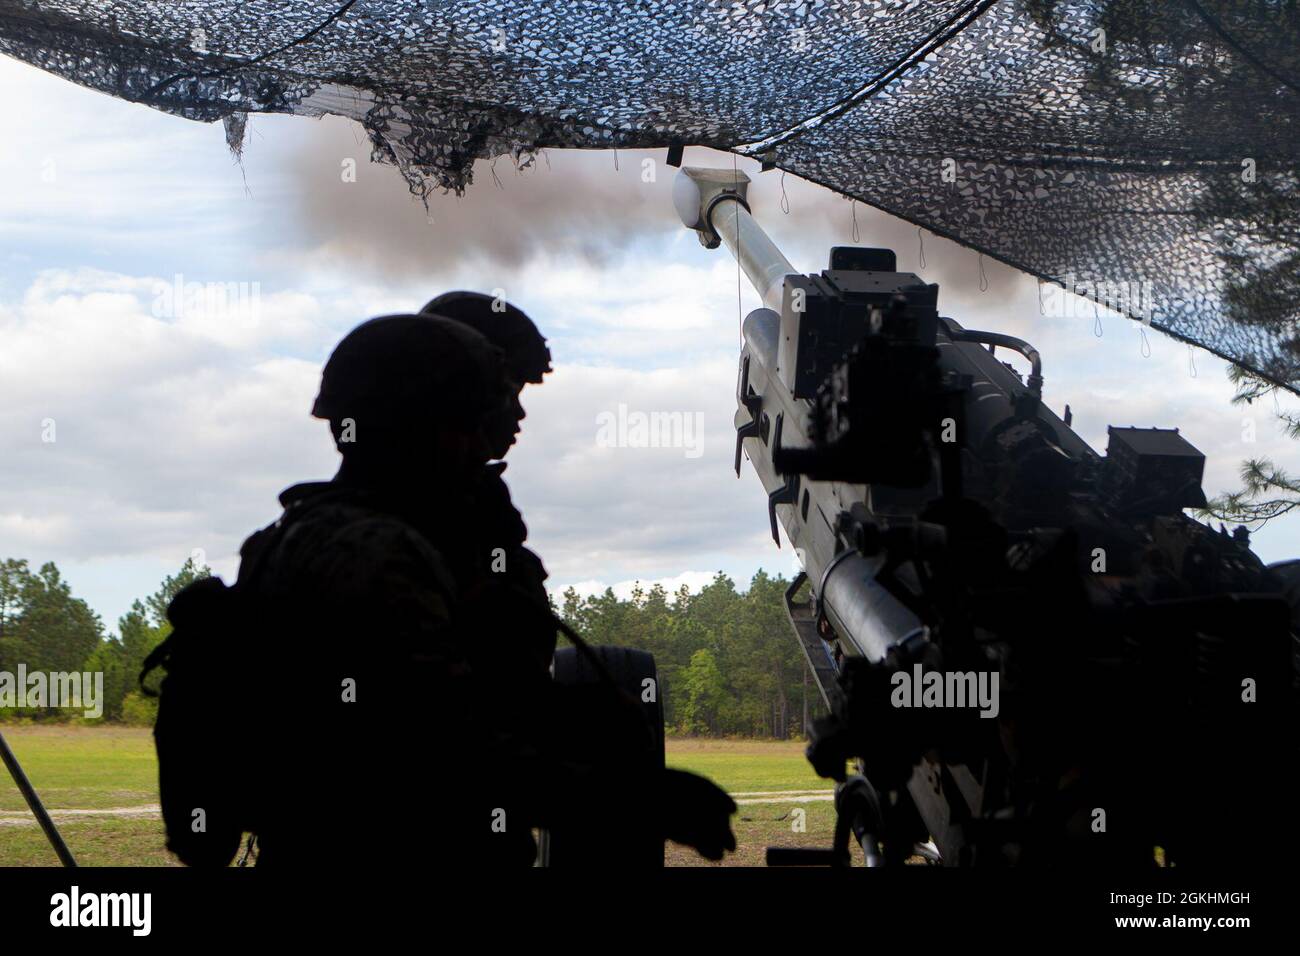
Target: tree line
{"points": [[728, 663], [45, 628]]}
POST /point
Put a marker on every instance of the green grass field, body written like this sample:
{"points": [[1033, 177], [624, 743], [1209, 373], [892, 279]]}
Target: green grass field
{"points": [[113, 769], [757, 770], [84, 768]]}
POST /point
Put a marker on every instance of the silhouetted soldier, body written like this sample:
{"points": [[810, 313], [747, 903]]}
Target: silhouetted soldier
{"points": [[516, 569], [507, 327], [586, 729], [375, 727], [359, 583]]}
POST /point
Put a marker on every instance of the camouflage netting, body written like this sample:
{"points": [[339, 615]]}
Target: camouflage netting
{"points": [[1144, 153]]}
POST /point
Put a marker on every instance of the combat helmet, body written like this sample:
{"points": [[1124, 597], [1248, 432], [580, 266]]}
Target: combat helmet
{"points": [[405, 369], [505, 325]]}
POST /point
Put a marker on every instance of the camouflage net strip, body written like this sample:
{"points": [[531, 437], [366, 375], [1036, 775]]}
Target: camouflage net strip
{"points": [[1143, 154]]}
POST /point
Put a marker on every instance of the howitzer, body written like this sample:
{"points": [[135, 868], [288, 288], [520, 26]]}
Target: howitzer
{"points": [[1030, 651]]}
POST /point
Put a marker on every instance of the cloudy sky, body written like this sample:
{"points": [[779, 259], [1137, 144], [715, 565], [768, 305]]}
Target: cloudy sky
{"points": [[175, 427]]}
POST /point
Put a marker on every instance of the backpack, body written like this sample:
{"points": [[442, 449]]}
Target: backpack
{"points": [[210, 754], [211, 735], [201, 735]]}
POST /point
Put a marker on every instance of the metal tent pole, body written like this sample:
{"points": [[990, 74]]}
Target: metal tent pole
{"points": [[34, 801]]}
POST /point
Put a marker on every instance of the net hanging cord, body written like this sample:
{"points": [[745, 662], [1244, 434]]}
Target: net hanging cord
{"points": [[1041, 311], [224, 71], [785, 200], [920, 238], [740, 322], [1096, 326], [984, 279], [953, 27], [1146, 345], [853, 205], [1191, 360]]}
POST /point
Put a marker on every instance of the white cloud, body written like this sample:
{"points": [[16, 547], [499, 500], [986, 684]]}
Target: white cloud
{"points": [[157, 426], [691, 580]]}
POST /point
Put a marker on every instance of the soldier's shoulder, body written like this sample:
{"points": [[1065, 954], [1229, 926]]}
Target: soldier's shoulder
{"points": [[345, 547]]}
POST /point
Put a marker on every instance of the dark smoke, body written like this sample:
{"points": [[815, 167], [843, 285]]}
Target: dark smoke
{"points": [[589, 206]]}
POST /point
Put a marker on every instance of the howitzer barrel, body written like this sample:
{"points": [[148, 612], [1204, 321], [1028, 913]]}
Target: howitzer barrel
{"points": [[759, 258], [713, 203]]}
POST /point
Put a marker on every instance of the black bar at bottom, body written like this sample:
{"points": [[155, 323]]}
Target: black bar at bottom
{"points": [[800, 856]]}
